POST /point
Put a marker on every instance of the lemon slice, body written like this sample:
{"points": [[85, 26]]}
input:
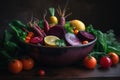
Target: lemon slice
{"points": [[50, 40]]}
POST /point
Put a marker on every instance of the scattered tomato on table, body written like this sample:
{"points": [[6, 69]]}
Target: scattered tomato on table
{"points": [[28, 63], [114, 58], [90, 62], [15, 66], [41, 72], [105, 62]]}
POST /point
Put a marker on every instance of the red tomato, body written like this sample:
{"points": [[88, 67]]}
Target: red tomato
{"points": [[90, 62], [114, 57], [105, 62], [41, 72], [28, 63], [15, 66]]}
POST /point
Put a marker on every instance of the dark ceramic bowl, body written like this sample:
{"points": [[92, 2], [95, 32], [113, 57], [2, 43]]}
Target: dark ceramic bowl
{"points": [[59, 56]]}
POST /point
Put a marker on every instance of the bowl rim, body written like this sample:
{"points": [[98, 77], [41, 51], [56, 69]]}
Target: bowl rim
{"points": [[82, 45]]}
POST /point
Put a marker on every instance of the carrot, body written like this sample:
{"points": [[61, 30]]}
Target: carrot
{"points": [[53, 18], [46, 24]]}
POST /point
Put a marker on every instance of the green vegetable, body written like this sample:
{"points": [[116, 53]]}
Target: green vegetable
{"points": [[60, 43], [41, 24], [106, 42], [68, 27], [18, 24], [8, 45], [5, 54], [20, 34], [52, 11]]}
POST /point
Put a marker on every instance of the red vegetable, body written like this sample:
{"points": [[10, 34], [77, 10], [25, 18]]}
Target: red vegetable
{"points": [[105, 62], [41, 72], [43, 33], [28, 63], [62, 15], [36, 28], [15, 66], [46, 24], [36, 40]]}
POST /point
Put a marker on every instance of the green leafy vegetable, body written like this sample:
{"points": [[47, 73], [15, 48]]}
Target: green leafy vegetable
{"points": [[106, 42], [68, 28], [20, 34], [60, 43], [52, 11], [41, 24], [18, 24]]}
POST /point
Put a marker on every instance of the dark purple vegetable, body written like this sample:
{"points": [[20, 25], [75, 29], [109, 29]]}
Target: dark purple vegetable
{"points": [[83, 35], [72, 40], [36, 40], [46, 24], [58, 31], [43, 33], [62, 15], [36, 28]]}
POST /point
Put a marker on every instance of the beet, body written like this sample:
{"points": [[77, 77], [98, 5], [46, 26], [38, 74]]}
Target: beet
{"points": [[72, 40], [58, 31], [83, 35], [36, 40]]}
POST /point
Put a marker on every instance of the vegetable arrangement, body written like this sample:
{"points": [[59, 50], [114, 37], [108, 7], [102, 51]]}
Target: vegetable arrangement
{"points": [[106, 50], [53, 33], [59, 33]]}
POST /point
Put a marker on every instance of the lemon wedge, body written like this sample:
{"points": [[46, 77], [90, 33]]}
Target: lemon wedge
{"points": [[50, 40]]}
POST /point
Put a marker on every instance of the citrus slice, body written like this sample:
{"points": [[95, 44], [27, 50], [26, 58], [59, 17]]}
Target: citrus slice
{"points": [[50, 40]]}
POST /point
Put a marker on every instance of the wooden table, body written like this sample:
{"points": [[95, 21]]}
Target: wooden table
{"points": [[73, 72]]}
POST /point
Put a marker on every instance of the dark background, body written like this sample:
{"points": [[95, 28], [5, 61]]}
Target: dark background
{"points": [[102, 14]]}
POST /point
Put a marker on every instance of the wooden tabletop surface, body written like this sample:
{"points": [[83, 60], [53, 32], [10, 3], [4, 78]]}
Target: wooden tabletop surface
{"points": [[74, 72]]}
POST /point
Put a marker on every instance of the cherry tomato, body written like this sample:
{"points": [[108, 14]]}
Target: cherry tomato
{"points": [[114, 57], [15, 66], [105, 62], [85, 42], [76, 31], [28, 63], [90, 62], [41, 72]]}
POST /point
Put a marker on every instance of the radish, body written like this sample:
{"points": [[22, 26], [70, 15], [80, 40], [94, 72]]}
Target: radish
{"points": [[36, 40], [72, 39], [62, 15], [34, 26], [46, 24]]}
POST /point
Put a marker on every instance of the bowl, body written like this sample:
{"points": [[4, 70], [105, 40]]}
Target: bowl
{"points": [[59, 56]]}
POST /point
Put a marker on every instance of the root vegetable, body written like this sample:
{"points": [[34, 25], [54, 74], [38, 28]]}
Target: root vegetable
{"points": [[46, 24], [62, 15], [53, 18]]}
